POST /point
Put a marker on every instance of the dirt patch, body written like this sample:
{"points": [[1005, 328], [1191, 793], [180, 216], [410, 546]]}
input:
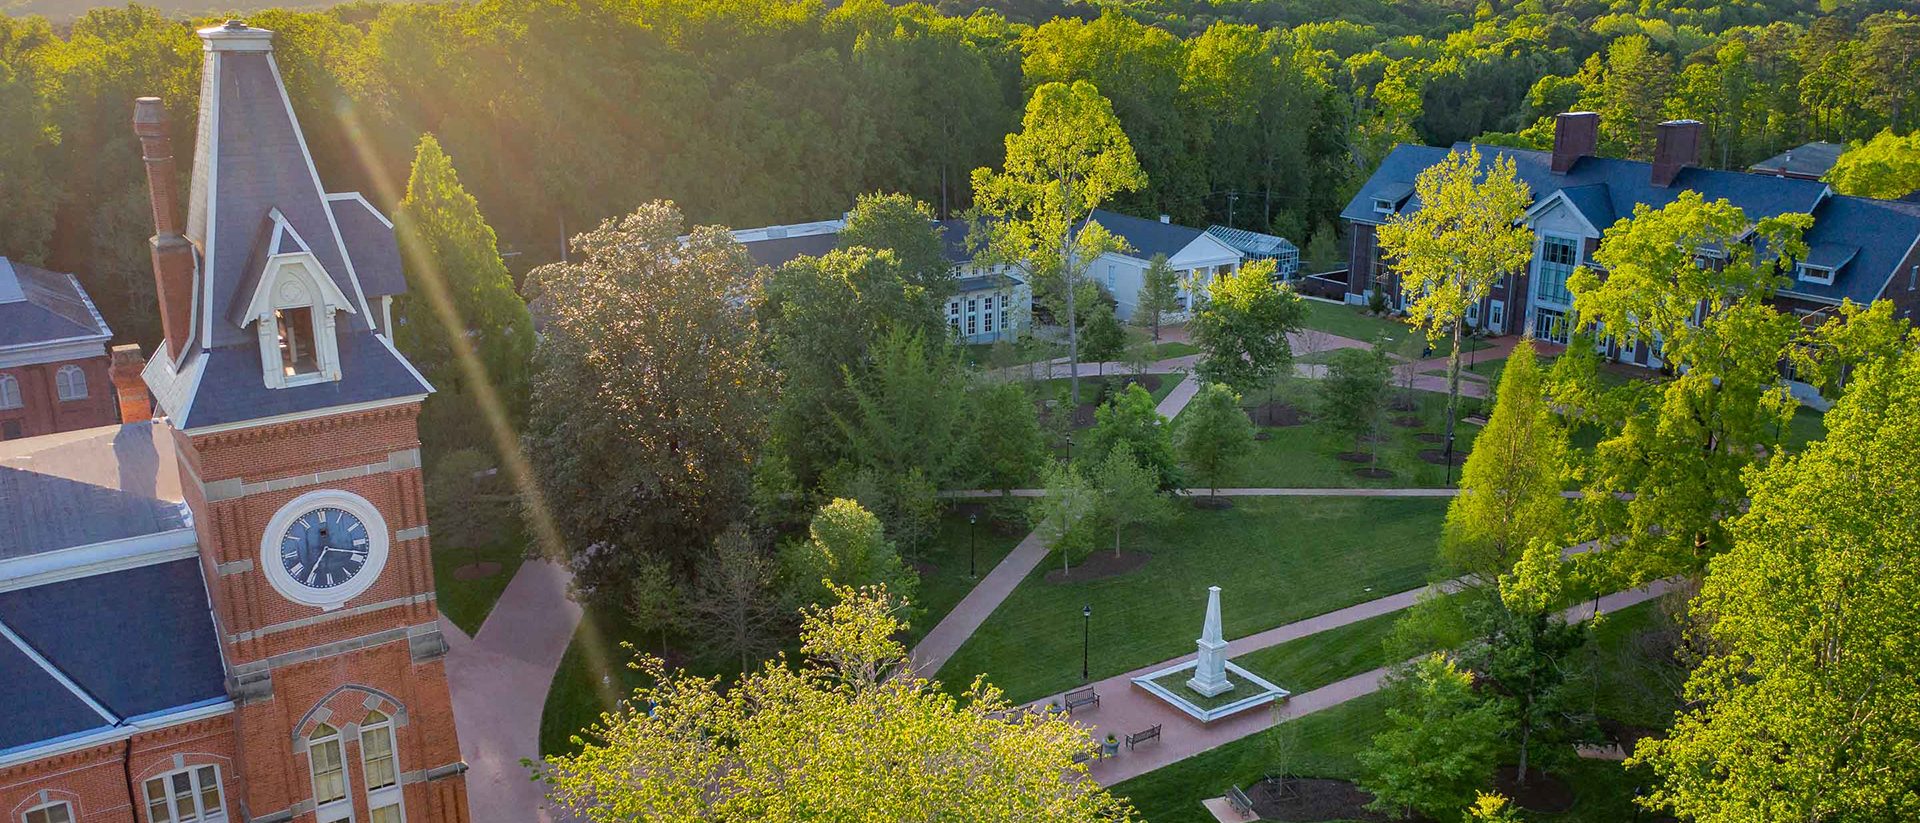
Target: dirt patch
{"points": [[1438, 457], [1211, 502], [1374, 474], [1543, 792], [1355, 457], [1408, 421], [1312, 799], [1430, 437], [1100, 566], [1279, 414]]}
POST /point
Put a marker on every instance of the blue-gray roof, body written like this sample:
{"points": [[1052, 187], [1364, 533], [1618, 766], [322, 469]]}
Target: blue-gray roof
{"points": [[1606, 190], [1147, 237], [371, 245], [984, 282], [1812, 159], [139, 641], [1251, 243], [231, 389], [39, 306], [79, 488], [776, 251]]}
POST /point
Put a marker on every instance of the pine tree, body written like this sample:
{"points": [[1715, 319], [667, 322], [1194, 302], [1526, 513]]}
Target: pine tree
{"points": [[1510, 486]]}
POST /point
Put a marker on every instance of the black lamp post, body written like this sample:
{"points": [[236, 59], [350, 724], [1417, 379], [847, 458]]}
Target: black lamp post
{"points": [[1449, 458], [1086, 639], [972, 545], [1069, 447]]}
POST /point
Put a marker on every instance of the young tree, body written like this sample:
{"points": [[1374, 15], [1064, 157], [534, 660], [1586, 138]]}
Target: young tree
{"points": [[1807, 710], [1510, 486], [1132, 418], [1069, 157], [1103, 339], [1159, 294], [846, 734], [653, 598], [904, 226], [1525, 660], [654, 401], [1441, 743], [846, 547], [1242, 328], [1007, 444], [1060, 516], [1129, 492], [1466, 235], [470, 508], [1886, 167], [909, 412], [1215, 434], [1139, 356], [733, 605], [1353, 396]]}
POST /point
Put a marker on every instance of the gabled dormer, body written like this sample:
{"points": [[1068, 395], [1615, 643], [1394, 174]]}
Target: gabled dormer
{"points": [[293, 306]]}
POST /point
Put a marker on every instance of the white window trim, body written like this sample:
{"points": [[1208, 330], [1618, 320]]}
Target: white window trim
{"points": [[193, 774], [295, 280], [1806, 273], [335, 810], [9, 392], [1497, 316], [65, 380], [386, 795], [45, 806]]}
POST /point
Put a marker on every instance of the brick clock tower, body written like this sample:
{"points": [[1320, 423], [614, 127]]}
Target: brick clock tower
{"points": [[293, 417]]}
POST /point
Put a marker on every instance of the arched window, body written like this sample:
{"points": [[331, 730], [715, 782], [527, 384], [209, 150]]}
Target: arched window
{"points": [[9, 392], [70, 382], [329, 773], [381, 769]]}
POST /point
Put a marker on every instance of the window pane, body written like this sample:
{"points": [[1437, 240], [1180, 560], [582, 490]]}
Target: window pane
{"points": [[209, 779], [329, 781], [386, 814]]}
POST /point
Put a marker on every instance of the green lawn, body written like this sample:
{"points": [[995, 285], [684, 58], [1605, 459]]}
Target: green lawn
{"points": [[578, 697], [1303, 456], [1277, 560], [1628, 686], [1352, 323], [1090, 386], [467, 602], [1177, 684], [1325, 657]]}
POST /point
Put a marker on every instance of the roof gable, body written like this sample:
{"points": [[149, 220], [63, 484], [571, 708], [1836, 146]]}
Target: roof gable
{"points": [[39, 306]]}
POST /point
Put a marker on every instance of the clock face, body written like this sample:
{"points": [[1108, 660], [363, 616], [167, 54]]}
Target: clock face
{"points": [[324, 548]]}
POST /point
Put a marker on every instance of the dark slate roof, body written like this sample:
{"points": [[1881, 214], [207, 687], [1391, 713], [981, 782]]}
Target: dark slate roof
{"points": [[1147, 237], [38, 306], [41, 708], [776, 251], [1878, 231], [258, 162], [984, 282], [1812, 160], [1594, 201], [89, 486], [371, 244], [231, 389], [139, 641]]}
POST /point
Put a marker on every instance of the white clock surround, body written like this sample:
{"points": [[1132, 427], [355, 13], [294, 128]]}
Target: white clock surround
{"points": [[329, 599]]}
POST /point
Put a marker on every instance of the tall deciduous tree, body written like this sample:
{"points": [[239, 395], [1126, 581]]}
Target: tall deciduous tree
{"points": [[1007, 444], [1440, 745], [1510, 486], [909, 411], [1159, 294], [1129, 492], [846, 547], [463, 298], [904, 226], [1215, 434], [734, 608], [1887, 167], [1810, 710], [1465, 236], [1242, 328], [846, 734], [655, 399], [1060, 516], [1103, 339], [1069, 157]]}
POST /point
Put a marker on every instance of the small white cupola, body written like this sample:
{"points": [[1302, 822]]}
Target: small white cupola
{"points": [[293, 305]]}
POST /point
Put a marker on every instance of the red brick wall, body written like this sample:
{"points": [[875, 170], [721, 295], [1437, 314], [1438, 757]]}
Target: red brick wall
{"points": [[94, 779], [1362, 254], [43, 412]]}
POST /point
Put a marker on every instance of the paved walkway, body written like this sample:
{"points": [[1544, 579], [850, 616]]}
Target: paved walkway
{"points": [[499, 679]]}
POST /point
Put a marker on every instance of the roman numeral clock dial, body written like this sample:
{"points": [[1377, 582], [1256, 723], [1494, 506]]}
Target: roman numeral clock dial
{"points": [[325, 547]]}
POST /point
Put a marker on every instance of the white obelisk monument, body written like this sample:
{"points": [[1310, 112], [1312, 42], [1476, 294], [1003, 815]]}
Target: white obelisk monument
{"points": [[1210, 675]]}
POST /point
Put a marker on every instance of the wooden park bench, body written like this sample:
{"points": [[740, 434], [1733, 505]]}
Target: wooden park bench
{"points": [[1151, 733], [1239, 801], [1081, 697]]}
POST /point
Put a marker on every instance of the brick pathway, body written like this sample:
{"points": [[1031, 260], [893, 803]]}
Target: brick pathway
{"points": [[499, 679]]}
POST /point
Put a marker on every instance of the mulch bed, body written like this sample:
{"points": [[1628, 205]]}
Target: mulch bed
{"points": [[1313, 799], [1543, 792], [1430, 437], [1278, 414], [1438, 457], [1373, 474], [1355, 457], [1100, 566], [1211, 502], [1408, 421]]}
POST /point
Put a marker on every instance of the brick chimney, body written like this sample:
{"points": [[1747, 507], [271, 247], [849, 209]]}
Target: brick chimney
{"points": [[1676, 146], [1576, 134], [136, 405], [172, 254]]}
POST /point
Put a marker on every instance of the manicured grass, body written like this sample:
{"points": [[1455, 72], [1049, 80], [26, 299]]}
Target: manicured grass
{"points": [[1807, 426], [1629, 685], [1353, 323], [1177, 683], [1325, 657], [949, 582], [1164, 351], [1303, 456], [1090, 386], [1277, 559], [467, 602]]}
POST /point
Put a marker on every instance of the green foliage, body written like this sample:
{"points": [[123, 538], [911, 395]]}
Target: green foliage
{"points": [[1510, 486], [1353, 396], [1807, 709], [909, 412], [1129, 492], [1493, 808], [1159, 294], [1214, 434], [1524, 663], [836, 735], [1441, 743], [1061, 517], [654, 401], [1243, 325], [468, 506], [1131, 418], [654, 599], [846, 548], [1102, 339], [734, 609], [1887, 167], [904, 226], [1006, 441]]}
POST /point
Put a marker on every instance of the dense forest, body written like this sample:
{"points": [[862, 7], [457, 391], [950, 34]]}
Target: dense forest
{"points": [[1259, 113]]}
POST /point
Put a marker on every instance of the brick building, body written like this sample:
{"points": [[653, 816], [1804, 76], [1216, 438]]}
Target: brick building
{"points": [[1859, 249], [53, 355], [226, 612]]}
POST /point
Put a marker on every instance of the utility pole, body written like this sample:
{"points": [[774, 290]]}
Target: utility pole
{"points": [[1231, 197]]}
